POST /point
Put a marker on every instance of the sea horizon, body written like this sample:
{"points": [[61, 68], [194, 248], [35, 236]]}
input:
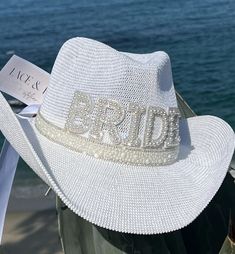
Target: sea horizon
{"points": [[198, 36]]}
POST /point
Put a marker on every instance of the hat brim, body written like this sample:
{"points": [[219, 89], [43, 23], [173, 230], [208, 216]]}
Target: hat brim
{"points": [[125, 198]]}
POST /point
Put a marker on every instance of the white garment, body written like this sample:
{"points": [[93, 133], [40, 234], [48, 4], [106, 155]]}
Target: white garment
{"points": [[8, 163]]}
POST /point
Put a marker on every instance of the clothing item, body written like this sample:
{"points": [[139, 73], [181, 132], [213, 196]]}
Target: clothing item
{"points": [[109, 140]]}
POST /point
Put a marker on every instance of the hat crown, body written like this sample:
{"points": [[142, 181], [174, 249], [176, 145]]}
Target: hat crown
{"points": [[97, 69], [112, 97]]}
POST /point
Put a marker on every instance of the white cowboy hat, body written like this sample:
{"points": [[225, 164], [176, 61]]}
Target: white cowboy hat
{"points": [[110, 142]]}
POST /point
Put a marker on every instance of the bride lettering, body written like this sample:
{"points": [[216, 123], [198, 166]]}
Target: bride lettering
{"points": [[105, 115]]}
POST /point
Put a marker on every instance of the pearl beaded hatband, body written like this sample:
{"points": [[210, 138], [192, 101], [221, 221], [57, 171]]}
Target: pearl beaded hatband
{"points": [[162, 150]]}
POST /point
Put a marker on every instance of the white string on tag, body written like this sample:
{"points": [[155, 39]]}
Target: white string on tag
{"points": [[8, 163]]}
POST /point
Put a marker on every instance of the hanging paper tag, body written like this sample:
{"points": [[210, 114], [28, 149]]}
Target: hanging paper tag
{"points": [[24, 81]]}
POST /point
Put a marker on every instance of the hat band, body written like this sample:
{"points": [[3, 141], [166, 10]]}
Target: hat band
{"points": [[115, 153]]}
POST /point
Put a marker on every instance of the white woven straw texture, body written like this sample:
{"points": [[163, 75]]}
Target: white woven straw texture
{"points": [[101, 71], [133, 199]]}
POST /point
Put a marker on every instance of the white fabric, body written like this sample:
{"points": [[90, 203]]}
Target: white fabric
{"points": [[133, 199], [30, 111], [8, 163]]}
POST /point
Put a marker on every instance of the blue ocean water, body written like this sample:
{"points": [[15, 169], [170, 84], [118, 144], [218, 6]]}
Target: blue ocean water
{"points": [[198, 35]]}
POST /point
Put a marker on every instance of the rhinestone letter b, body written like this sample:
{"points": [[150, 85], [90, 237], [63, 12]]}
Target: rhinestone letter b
{"points": [[78, 120]]}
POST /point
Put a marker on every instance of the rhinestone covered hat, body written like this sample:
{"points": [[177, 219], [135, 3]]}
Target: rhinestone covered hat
{"points": [[108, 140], [103, 103]]}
